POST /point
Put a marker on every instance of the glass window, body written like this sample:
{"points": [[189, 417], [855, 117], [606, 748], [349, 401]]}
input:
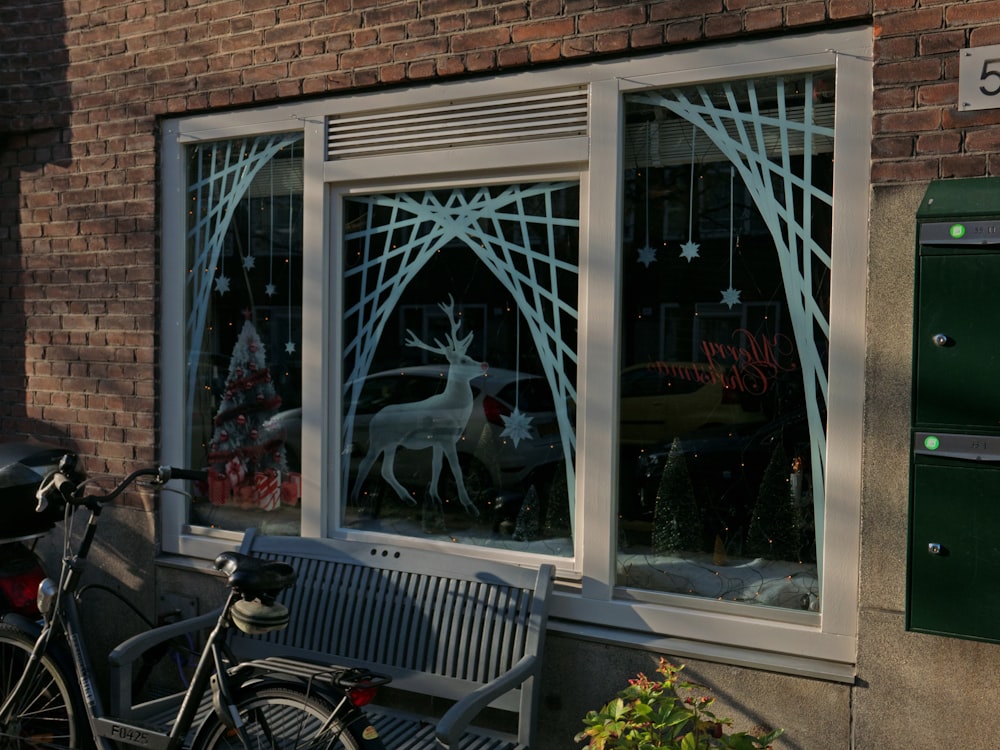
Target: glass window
{"points": [[459, 364], [724, 332], [243, 330]]}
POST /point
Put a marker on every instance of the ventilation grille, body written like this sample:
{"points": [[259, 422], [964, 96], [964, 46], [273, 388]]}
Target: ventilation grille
{"points": [[548, 114]]}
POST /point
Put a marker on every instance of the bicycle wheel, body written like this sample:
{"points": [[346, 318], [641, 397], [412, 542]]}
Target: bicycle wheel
{"points": [[284, 718], [50, 714]]}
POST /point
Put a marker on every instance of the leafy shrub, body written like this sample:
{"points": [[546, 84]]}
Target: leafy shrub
{"points": [[650, 714]]}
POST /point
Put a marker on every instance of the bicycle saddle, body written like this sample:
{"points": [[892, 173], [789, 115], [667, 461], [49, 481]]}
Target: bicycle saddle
{"points": [[254, 578]]}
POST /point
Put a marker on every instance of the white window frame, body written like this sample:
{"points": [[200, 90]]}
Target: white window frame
{"points": [[588, 602]]}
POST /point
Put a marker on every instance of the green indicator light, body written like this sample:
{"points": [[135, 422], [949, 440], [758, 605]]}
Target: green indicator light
{"points": [[931, 443], [957, 231]]}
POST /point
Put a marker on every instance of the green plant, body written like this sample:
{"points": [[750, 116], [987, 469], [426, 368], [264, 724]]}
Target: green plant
{"points": [[651, 714]]}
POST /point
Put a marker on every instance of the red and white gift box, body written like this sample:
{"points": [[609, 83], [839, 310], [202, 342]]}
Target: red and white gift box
{"points": [[267, 486]]}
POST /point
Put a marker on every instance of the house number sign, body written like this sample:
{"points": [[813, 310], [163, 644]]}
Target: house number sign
{"points": [[979, 78]]}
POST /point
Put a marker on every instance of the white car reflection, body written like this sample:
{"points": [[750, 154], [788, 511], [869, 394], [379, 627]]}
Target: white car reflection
{"points": [[491, 462]]}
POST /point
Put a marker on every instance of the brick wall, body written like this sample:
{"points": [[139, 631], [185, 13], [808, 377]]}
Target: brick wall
{"points": [[919, 133], [84, 81]]}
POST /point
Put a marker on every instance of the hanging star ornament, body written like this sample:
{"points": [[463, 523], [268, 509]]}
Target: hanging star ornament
{"points": [[248, 262], [222, 284], [270, 290], [690, 250], [290, 347], [731, 297], [517, 426], [647, 255]]}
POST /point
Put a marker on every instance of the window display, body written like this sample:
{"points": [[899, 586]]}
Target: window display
{"points": [[460, 364], [728, 196]]}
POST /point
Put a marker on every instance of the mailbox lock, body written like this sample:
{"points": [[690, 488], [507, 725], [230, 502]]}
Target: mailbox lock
{"points": [[934, 548], [941, 339]]}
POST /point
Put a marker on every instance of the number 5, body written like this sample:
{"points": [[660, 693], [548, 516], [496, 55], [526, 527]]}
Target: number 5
{"points": [[991, 69]]}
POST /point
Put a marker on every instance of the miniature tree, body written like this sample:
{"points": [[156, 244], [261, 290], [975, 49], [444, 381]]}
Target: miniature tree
{"points": [[676, 519], [557, 508], [242, 453], [528, 522], [775, 524]]}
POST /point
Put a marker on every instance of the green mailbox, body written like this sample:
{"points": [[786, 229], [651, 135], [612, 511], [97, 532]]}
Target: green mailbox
{"points": [[953, 577]]}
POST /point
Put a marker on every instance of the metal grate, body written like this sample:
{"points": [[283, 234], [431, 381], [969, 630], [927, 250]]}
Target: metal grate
{"points": [[548, 114]]}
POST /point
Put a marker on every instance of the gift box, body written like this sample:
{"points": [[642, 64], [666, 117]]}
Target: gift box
{"points": [[267, 487], [218, 487], [291, 488]]}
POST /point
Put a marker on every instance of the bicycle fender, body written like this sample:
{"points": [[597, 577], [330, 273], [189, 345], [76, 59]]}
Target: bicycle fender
{"points": [[26, 625], [354, 719]]}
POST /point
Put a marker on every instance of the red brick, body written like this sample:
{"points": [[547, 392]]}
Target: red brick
{"points": [[480, 40], [891, 24], [963, 166], [685, 31], [556, 29], [841, 10], [972, 13], [670, 10], [611, 19], [949, 142], [804, 13], [721, 26]]}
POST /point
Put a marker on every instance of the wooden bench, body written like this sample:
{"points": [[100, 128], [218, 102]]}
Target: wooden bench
{"points": [[457, 636]]}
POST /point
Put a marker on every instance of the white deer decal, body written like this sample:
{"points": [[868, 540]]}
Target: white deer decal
{"points": [[436, 422]]}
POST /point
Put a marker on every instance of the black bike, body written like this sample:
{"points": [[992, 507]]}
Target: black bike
{"points": [[47, 694]]}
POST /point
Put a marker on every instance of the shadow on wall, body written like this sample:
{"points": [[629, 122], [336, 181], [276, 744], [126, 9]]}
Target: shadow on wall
{"points": [[34, 144]]}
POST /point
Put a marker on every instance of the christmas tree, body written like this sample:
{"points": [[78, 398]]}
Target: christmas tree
{"points": [[557, 508], [528, 524], [775, 525], [246, 460], [676, 518]]}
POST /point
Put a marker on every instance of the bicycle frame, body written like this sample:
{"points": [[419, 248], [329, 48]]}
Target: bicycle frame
{"points": [[62, 622]]}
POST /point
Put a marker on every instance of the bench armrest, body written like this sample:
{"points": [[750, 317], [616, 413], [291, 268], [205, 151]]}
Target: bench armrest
{"points": [[452, 725], [124, 655]]}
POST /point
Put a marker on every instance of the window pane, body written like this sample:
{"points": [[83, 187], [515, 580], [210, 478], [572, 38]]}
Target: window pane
{"points": [[726, 248], [460, 324], [244, 304]]}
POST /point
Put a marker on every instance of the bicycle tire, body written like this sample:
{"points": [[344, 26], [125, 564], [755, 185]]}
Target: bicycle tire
{"points": [[51, 714], [284, 718]]}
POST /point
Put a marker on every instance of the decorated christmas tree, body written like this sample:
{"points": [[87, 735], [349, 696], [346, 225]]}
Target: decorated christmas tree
{"points": [[246, 460], [676, 518], [774, 527]]}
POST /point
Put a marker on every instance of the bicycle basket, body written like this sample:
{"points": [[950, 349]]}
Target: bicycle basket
{"points": [[255, 617]]}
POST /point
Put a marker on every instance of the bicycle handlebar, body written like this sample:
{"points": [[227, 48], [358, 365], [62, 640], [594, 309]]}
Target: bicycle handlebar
{"points": [[64, 484]]}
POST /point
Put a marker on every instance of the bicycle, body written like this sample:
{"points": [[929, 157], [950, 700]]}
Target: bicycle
{"points": [[48, 697]]}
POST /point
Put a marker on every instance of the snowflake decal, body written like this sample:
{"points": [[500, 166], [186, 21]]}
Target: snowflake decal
{"points": [[730, 297], [647, 255], [517, 426], [690, 250]]}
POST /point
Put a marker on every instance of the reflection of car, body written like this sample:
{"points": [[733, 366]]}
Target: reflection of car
{"points": [[489, 458], [663, 400]]}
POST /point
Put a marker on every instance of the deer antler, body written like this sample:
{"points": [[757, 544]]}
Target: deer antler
{"points": [[412, 340], [454, 343], [449, 310]]}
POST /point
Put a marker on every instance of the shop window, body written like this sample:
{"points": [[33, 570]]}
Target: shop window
{"points": [[243, 330], [597, 315], [459, 364], [728, 194]]}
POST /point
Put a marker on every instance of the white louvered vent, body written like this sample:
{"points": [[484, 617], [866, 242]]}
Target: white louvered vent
{"points": [[548, 114]]}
